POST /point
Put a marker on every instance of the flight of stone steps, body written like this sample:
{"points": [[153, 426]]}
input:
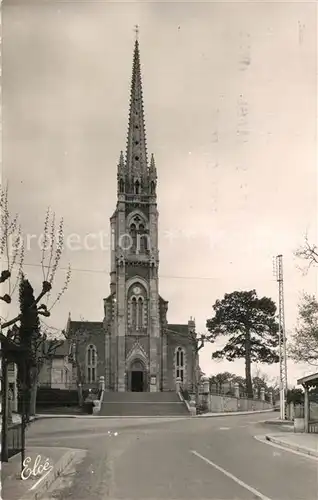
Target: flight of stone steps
{"points": [[143, 404]]}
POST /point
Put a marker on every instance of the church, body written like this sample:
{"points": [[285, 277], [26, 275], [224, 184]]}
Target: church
{"points": [[134, 348]]}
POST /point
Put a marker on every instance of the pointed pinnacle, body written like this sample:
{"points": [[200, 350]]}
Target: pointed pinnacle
{"points": [[152, 162], [121, 164], [121, 159]]}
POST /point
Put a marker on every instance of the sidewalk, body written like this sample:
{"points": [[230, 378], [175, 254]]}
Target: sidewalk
{"points": [[56, 460], [16, 419], [302, 442]]}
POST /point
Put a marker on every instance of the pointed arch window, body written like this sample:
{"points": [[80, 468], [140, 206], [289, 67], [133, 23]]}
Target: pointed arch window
{"points": [[142, 239], [134, 312], [137, 310], [121, 185], [152, 187], [137, 187], [140, 313], [91, 364], [133, 235], [180, 363]]}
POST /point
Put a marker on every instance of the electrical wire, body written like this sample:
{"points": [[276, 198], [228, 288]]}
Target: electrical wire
{"points": [[100, 271]]}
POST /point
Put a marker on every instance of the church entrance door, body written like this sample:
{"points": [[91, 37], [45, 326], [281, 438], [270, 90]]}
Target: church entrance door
{"points": [[137, 377], [137, 381]]}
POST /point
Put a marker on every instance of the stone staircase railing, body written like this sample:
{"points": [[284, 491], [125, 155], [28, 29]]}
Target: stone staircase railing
{"points": [[98, 402], [189, 404]]}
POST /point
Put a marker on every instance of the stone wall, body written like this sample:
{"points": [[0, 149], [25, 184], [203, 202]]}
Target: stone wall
{"points": [[220, 404]]}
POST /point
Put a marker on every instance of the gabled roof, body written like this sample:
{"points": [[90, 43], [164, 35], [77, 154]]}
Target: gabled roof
{"points": [[177, 329], [90, 326], [137, 351], [311, 380]]}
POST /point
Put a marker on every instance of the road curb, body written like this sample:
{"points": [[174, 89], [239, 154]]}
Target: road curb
{"points": [[43, 417], [176, 417], [233, 413], [295, 447], [204, 415], [278, 422], [56, 472], [94, 417]]}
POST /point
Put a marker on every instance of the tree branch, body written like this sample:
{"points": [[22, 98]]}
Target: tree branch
{"points": [[309, 253], [46, 287]]}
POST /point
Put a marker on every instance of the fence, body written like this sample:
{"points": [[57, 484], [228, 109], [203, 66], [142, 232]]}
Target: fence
{"points": [[298, 411], [15, 441]]}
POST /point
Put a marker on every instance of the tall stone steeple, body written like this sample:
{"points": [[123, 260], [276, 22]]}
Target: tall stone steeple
{"points": [[133, 170], [135, 348], [132, 309]]}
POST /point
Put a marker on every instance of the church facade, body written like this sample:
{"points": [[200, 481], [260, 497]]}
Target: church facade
{"points": [[134, 347]]}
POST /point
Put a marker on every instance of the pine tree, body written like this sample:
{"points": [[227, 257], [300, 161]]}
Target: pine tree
{"points": [[251, 324]]}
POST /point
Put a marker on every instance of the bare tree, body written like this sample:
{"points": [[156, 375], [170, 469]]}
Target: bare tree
{"points": [[260, 375], [11, 249], [304, 343], [197, 341], [44, 348], [309, 253], [29, 334], [263, 380], [76, 339]]}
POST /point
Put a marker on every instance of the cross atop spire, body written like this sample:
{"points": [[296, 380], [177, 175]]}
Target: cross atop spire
{"points": [[136, 30]]}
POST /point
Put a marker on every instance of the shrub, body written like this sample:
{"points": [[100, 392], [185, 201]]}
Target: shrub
{"points": [[49, 398], [202, 408], [186, 394]]}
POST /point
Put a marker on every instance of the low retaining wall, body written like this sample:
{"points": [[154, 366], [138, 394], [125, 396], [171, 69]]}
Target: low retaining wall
{"points": [[218, 403]]}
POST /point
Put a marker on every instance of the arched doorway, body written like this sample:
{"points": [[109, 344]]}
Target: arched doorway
{"points": [[137, 380]]}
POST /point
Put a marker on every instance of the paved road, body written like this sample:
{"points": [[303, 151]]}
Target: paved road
{"points": [[215, 458]]}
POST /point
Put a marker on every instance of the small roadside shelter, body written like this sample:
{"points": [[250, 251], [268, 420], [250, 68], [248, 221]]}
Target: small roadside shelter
{"points": [[308, 383], [12, 435]]}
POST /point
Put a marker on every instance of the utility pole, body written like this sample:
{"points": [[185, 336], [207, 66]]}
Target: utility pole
{"points": [[278, 272]]}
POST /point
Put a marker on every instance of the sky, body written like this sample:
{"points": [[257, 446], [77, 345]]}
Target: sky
{"points": [[230, 110]]}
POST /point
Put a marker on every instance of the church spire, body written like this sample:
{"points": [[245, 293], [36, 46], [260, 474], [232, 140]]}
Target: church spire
{"points": [[136, 153]]}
